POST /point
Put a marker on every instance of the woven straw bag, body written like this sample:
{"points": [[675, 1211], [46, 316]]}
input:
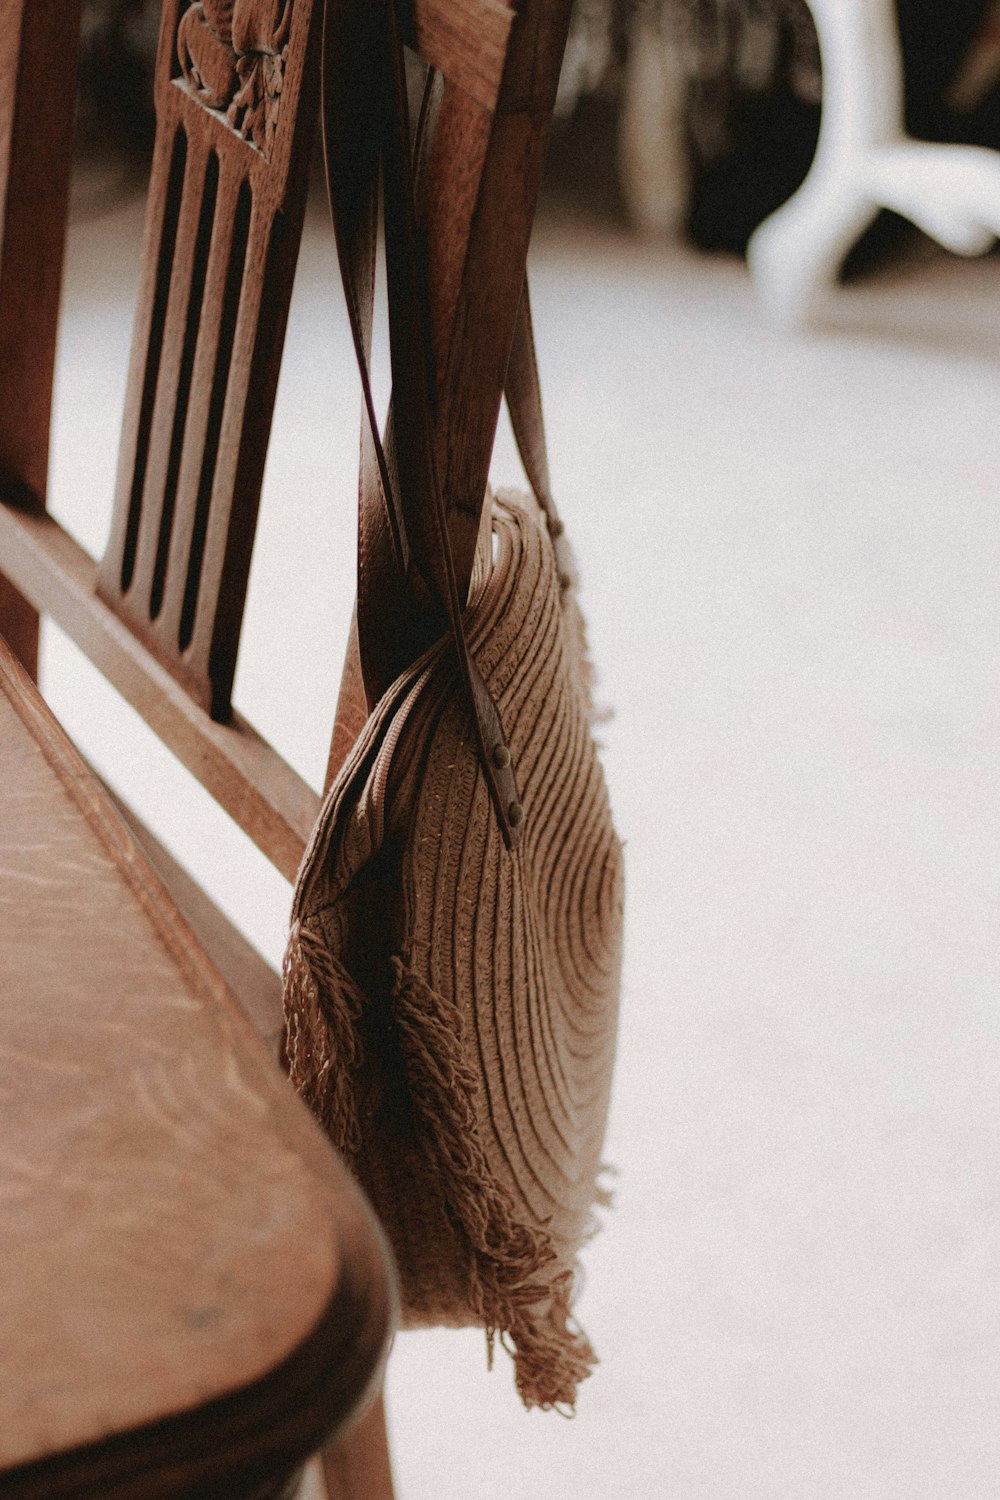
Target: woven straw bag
{"points": [[452, 972], [453, 1003]]}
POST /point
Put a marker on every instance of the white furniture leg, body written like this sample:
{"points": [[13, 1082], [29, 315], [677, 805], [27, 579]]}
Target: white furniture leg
{"points": [[864, 161]]}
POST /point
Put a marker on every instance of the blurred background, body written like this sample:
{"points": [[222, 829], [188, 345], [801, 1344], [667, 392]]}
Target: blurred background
{"points": [[789, 548], [694, 118]]}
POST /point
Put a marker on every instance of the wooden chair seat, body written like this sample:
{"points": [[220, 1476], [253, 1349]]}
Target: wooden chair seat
{"points": [[194, 1295]]}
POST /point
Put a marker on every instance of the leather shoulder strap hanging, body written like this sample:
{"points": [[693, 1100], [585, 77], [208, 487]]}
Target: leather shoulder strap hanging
{"points": [[401, 496], [407, 584]]}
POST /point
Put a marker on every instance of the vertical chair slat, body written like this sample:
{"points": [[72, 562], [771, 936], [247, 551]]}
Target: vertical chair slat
{"points": [[207, 371], [476, 285], [246, 424], [454, 146], [163, 210], [183, 315]]}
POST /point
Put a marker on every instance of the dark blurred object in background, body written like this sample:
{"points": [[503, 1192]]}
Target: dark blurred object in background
{"points": [[753, 114], [117, 54], [692, 118], [715, 104]]}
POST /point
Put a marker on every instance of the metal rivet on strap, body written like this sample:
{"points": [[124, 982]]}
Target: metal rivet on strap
{"points": [[501, 757], [515, 814], [556, 527]]}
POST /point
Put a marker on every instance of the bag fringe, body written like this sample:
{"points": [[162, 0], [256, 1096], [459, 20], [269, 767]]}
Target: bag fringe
{"points": [[509, 1290], [322, 1044]]}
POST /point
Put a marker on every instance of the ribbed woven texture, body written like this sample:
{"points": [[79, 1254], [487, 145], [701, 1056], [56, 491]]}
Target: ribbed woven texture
{"points": [[452, 1005]]}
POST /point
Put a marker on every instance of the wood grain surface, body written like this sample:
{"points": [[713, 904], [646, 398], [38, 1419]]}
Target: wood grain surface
{"points": [[193, 1288]]}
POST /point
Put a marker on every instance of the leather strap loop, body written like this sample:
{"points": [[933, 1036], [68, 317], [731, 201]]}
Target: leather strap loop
{"points": [[408, 592]]}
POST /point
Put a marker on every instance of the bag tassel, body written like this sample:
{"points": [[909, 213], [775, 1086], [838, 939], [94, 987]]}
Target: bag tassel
{"points": [[322, 1047], [509, 1292]]}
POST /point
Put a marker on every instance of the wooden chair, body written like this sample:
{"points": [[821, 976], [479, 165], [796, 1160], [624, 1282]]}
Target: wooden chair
{"points": [[237, 93]]}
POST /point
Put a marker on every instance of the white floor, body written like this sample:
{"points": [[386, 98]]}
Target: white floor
{"points": [[790, 551]]}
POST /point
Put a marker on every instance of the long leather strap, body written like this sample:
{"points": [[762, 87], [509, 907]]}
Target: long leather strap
{"points": [[407, 590], [524, 402]]}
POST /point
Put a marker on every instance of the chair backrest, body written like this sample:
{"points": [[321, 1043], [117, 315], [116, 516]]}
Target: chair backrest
{"points": [[237, 96]]}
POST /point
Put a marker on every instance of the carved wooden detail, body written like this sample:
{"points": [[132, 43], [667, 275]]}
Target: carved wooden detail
{"points": [[232, 55]]}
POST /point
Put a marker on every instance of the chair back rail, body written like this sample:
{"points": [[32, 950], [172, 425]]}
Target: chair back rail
{"points": [[39, 46], [480, 168]]}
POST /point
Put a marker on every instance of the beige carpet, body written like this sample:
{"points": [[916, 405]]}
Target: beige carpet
{"points": [[789, 549]]}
